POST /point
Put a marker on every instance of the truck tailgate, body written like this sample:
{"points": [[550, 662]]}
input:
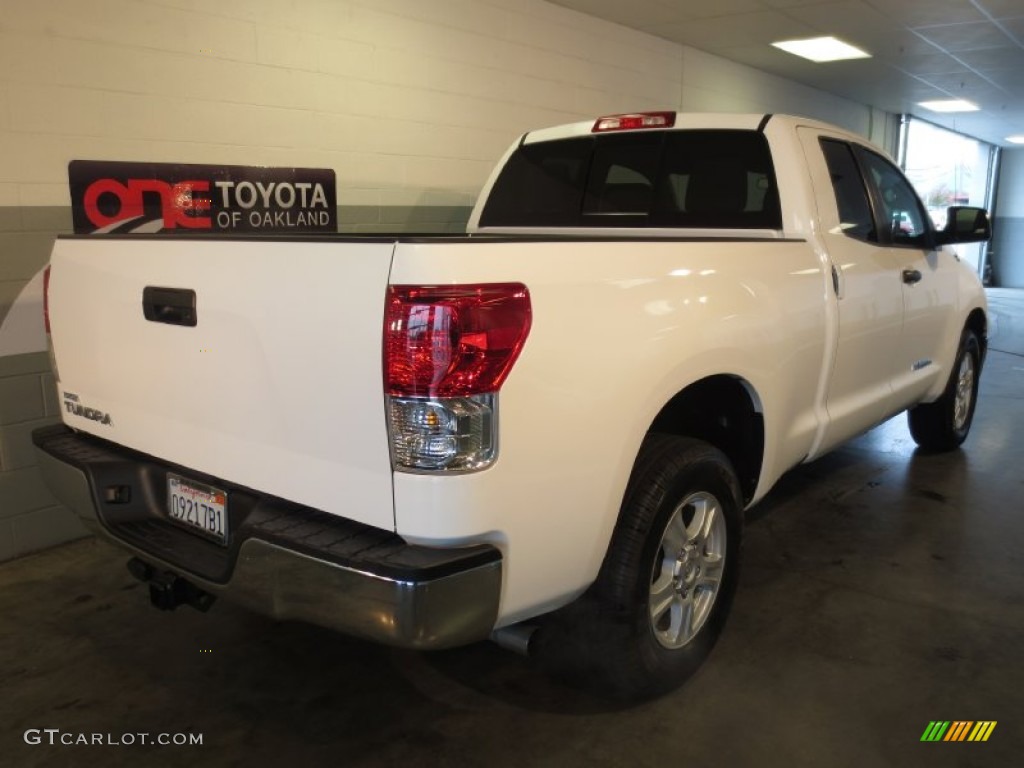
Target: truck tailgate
{"points": [[277, 386]]}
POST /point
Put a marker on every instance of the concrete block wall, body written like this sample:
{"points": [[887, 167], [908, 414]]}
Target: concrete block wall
{"points": [[30, 518], [409, 101], [714, 84]]}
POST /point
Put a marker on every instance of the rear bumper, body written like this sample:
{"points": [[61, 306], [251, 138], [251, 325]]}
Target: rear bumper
{"points": [[283, 560]]}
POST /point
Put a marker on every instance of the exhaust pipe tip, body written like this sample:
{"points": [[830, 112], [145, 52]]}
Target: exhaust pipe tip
{"points": [[515, 638]]}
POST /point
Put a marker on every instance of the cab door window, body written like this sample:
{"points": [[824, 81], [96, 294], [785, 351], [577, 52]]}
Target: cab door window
{"points": [[898, 211]]}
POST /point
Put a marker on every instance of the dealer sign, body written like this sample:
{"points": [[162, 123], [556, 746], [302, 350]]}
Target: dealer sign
{"points": [[120, 197]]}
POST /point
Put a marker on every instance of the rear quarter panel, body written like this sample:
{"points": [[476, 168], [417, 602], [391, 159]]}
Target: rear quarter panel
{"points": [[618, 329]]}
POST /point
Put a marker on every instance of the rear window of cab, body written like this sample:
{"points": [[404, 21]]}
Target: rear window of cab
{"points": [[680, 178]]}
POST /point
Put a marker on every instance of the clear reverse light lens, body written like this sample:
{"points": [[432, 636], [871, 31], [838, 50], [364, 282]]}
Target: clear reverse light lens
{"points": [[453, 434]]}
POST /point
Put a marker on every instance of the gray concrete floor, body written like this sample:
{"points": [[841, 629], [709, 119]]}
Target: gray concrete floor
{"points": [[881, 589]]}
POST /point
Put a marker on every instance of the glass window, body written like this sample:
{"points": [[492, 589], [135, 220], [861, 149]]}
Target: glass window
{"points": [[855, 217], [541, 185], [696, 179], [721, 179], [947, 168], [623, 170], [899, 207]]}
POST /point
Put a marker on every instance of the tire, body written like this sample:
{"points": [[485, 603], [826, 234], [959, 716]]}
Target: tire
{"points": [[667, 581], [944, 424]]}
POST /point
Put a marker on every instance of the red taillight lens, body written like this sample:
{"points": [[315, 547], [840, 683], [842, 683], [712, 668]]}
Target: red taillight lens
{"points": [[453, 341], [46, 298], [634, 122]]}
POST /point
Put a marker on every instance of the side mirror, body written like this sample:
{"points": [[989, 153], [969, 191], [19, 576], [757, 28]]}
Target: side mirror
{"points": [[965, 224]]}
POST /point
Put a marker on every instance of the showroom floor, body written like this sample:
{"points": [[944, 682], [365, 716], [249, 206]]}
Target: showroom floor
{"points": [[881, 590]]}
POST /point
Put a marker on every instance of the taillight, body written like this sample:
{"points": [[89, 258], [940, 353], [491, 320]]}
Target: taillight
{"points": [[453, 340], [46, 298], [447, 350], [634, 122]]}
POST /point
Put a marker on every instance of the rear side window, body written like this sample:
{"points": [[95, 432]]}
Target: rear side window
{"points": [[690, 178], [855, 217]]}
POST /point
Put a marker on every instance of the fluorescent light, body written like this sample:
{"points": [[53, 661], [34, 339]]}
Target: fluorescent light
{"points": [[822, 49], [1015, 139], [949, 105]]}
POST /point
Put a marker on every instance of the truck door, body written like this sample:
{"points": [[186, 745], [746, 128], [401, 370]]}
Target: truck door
{"points": [[927, 277], [866, 286]]}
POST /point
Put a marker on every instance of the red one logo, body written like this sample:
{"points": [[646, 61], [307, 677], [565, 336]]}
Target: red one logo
{"points": [[180, 204]]}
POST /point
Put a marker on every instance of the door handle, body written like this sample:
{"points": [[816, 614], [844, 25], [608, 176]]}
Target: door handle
{"points": [[173, 306], [911, 276]]}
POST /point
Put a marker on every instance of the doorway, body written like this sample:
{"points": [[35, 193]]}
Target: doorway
{"points": [[948, 168]]}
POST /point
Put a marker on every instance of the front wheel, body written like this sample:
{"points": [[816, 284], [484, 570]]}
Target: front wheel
{"points": [[944, 424], [666, 584]]}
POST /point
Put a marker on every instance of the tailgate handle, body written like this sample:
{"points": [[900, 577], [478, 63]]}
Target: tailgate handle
{"points": [[174, 306]]}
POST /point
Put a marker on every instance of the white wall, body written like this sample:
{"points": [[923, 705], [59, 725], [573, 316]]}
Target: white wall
{"points": [[1011, 183], [714, 84], [1008, 222], [409, 100]]}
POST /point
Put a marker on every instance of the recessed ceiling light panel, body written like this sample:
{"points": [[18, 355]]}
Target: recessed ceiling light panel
{"points": [[822, 49], [1016, 139], [949, 105]]}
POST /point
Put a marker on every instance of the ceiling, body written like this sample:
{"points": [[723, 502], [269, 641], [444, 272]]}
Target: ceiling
{"points": [[921, 49]]}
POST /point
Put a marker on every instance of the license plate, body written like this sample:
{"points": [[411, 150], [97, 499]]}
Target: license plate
{"points": [[199, 507]]}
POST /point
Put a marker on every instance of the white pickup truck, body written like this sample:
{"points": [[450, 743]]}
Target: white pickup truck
{"points": [[545, 431]]}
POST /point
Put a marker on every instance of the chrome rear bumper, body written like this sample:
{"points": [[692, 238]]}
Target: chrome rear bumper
{"points": [[284, 561]]}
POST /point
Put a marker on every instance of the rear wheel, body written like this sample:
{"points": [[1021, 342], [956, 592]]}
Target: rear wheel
{"points": [[667, 581], [944, 424]]}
